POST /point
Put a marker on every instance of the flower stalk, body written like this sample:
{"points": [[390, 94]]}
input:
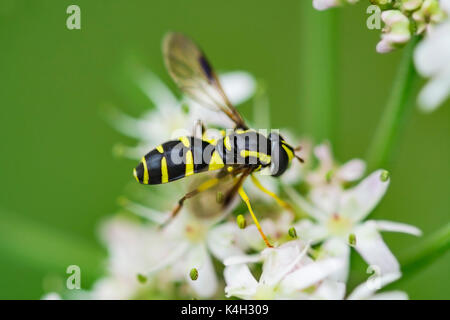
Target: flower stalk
{"points": [[428, 251], [318, 72], [387, 133]]}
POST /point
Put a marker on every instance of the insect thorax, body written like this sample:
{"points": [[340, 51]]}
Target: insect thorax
{"points": [[248, 148]]}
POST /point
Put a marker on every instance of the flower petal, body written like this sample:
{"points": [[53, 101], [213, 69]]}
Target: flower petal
{"points": [[242, 259], [390, 295], [156, 90], [325, 4], [435, 92], [206, 284], [391, 226], [307, 230], [326, 198], [358, 202], [351, 170], [240, 282], [336, 248], [373, 250], [305, 205], [51, 296], [279, 261], [367, 289], [239, 86], [224, 241], [330, 290], [325, 156], [311, 274]]}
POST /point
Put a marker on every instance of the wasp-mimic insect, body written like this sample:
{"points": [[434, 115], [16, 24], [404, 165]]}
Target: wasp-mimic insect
{"points": [[238, 154]]}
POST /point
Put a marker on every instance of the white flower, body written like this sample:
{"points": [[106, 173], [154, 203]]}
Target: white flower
{"points": [[329, 173], [429, 14], [288, 273], [411, 5], [432, 60], [327, 4], [339, 214], [169, 120], [51, 296], [396, 31], [165, 256]]}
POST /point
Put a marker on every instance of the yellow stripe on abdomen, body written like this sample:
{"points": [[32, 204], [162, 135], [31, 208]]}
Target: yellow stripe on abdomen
{"points": [[164, 171], [189, 164], [216, 162], [146, 177]]}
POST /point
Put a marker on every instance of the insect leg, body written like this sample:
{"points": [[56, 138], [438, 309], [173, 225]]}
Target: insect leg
{"points": [[199, 129], [282, 203], [298, 148], [247, 202], [203, 187]]}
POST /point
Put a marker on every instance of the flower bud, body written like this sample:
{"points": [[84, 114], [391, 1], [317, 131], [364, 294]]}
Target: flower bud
{"points": [[292, 233], [241, 221], [185, 108], [396, 31], [329, 176], [352, 239], [429, 14], [193, 274], [384, 176], [141, 278], [410, 5]]}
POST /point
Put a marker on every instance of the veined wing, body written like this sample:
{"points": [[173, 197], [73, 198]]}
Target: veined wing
{"points": [[195, 76]]}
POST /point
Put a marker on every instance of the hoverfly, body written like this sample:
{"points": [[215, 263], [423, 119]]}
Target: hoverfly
{"points": [[238, 154]]}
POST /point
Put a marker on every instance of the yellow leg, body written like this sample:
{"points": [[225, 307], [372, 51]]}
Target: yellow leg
{"points": [[247, 202], [282, 203]]}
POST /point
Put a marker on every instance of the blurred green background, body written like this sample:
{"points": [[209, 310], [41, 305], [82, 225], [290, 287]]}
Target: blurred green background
{"points": [[59, 178]]}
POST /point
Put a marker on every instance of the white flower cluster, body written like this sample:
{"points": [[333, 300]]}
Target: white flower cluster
{"points": [[432, 59], [402, 19], [203, 253]]}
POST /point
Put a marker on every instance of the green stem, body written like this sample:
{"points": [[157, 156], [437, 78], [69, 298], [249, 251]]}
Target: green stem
{"points": [[432, 248], [318, 71], [394, 114], [429, 250]]}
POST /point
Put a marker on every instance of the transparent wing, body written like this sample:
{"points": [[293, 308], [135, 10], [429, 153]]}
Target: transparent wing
{"points": [[194, 75]]}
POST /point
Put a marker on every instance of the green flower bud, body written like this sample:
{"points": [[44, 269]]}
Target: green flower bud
{"points": [[185, 108], [384, 176], [292, 233], [141, 278], [352, 239], [329, 176], [193, 274], [241, 221]]}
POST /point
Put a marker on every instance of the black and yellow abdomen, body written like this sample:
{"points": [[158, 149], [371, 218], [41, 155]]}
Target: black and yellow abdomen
{"points": [[177, 159]]}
